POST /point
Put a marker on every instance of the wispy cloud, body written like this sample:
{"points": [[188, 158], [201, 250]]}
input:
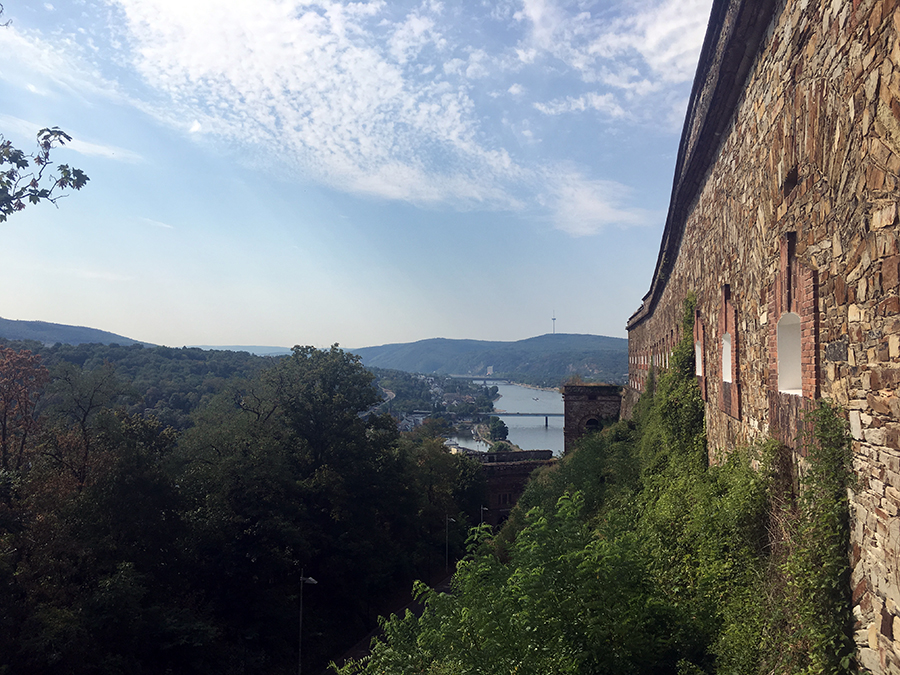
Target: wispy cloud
{"points": [[323, 81], [156, 223], [387, 99], [60, 62], [661, 41], [30, 129], [605, 103], [623, 58], [581, 206]]}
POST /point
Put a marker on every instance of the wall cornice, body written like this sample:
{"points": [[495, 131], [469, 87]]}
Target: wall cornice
{"points": [[733, 38]]}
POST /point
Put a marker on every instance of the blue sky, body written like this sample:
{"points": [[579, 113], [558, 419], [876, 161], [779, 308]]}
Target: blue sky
{"points": [[279, 172]]}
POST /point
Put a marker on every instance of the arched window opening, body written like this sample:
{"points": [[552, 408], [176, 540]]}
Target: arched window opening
{"points": [[790, 377], [698, 358], [592, 425], [726, 357]]}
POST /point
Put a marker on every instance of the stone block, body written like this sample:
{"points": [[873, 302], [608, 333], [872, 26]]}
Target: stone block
{"points": [[884, 216], [880, 404], [890, 273], [856, 425], [869, 660], [876, 436]]}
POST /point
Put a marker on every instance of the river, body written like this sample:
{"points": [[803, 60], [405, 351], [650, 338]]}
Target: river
{"points": [[529, 433]]}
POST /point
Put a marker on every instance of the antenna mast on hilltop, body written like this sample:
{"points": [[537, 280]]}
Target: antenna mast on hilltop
{"points": [[554, 322]]}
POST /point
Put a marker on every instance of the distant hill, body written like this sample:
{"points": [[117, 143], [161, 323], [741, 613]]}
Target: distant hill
{"points": [[546, 360], [51, 333], [258, 350]]}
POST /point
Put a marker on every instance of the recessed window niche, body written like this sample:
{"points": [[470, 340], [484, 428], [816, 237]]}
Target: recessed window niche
{"points": [[698, 358], [790, 379], [726, 357]]}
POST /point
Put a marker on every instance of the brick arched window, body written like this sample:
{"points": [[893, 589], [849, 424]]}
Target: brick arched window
{"points": [[792, 343], [729, 386], [793, 331], [699, 354], [727, 349], [789, 361]]}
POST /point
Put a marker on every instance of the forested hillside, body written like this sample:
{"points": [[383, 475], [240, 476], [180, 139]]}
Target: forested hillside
{"points": [[547, 360], [51, 333], [633, 555], [130, 546]]}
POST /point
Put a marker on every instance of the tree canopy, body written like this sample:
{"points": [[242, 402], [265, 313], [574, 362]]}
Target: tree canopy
{"points": [[30, 178]]}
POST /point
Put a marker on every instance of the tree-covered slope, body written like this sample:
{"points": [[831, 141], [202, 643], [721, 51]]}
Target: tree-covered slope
{"points": [[546, 359], [634, 555], [51, 333]]}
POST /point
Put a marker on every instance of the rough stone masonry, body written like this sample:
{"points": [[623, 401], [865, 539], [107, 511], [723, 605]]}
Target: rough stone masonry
{"points": [[784, 223]]}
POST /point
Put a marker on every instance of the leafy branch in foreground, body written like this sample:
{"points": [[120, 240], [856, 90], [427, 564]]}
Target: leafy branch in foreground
{"points": [[30, 178]]}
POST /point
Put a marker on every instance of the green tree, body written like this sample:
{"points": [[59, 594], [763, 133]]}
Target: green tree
{"points": [[30, 178], [498, 429]]}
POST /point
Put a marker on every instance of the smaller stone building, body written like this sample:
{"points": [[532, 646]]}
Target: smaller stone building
{"points": [[506, 474], [588, 407]]}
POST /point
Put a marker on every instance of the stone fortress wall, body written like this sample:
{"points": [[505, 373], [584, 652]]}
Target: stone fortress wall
{"points": [[784, 224]]}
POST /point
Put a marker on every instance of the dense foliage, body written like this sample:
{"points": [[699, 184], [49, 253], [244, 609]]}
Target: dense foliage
{"points": [[127, 546], [635, 556]]}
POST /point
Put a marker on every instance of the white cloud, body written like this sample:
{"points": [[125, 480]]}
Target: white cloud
{"points": [[156, 223], [663, 39], [605, 103], [412, 35], [27, 129], [582, 207], [106, 151], [60, 62], [320, 81], [374, 98]]}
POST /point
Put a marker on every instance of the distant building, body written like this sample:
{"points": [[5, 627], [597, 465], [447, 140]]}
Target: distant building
{"points": [[588, 407], [506, 474]]}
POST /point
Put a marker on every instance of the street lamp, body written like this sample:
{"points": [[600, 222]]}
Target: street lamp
{"points": [[303, 581], [483, 509], [447, 542]]}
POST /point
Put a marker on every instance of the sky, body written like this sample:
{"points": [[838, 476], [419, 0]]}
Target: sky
{"points": [[281, 172]]}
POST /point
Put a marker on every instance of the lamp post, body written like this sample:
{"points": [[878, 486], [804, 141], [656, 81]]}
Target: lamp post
{"points": [[447, 522], [483, 509], [303, 581]]}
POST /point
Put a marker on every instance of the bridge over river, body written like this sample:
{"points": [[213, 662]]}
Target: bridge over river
{"points": [[503, 413]]}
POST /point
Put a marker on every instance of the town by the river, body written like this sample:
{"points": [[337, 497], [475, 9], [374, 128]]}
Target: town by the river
{"points": [[527, 432]]}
